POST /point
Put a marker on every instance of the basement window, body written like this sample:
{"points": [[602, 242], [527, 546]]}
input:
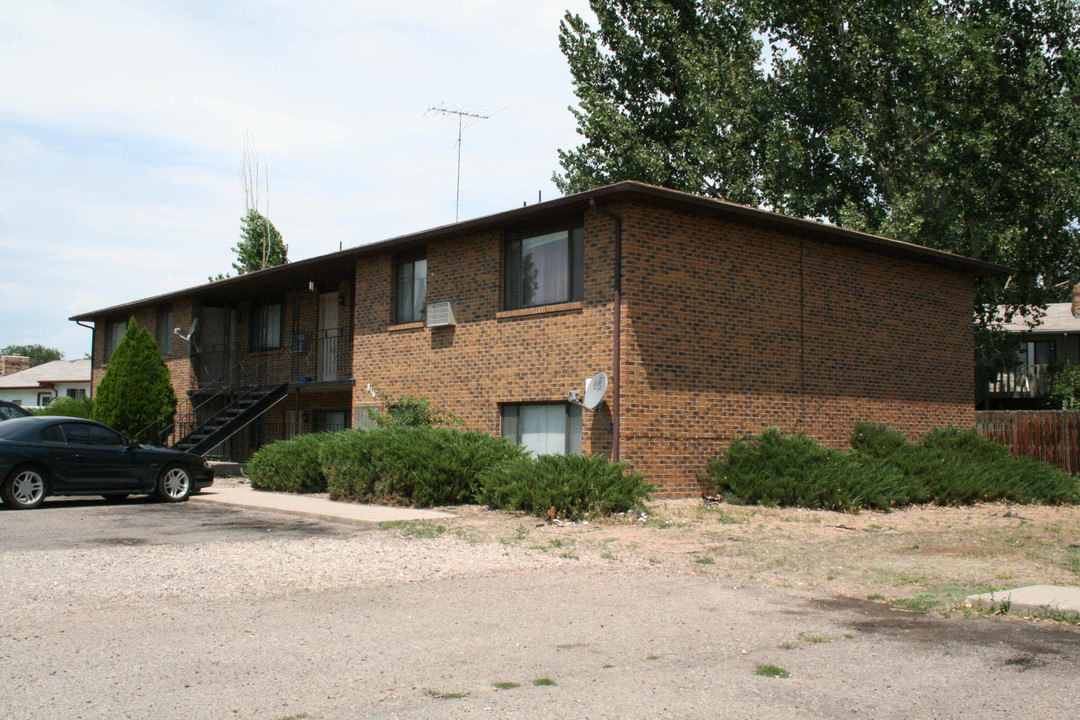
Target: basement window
{"points": [[543, 428]]}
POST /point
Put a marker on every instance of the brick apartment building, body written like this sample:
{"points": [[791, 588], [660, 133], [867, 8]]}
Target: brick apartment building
{"points": [[712, 320]]}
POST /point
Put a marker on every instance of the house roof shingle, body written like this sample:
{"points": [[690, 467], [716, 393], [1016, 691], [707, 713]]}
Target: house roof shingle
{"points": [[57, 371], [1058, 319], [330, 266]]}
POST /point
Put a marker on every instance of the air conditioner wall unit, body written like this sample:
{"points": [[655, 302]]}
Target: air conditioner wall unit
{"points": [[441, 314]]}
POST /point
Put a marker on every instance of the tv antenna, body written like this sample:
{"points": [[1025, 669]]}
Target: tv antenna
{"points": [[461, 115]]}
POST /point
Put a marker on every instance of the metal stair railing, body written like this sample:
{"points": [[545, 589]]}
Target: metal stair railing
{"points": [[244, 373]]}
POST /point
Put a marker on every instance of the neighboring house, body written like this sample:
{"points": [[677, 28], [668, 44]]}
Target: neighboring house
{"points": [[713, 321], [40, 385], [1044, 349]]}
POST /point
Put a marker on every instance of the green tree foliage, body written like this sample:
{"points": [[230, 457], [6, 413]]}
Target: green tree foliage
{"points": [[260, 245], [136, 392], [68, 407], [947, 123], [38, 354]]}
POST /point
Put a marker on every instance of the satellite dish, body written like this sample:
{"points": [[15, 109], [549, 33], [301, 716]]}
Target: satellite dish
{"points": [[190, 333], [594, 390]]}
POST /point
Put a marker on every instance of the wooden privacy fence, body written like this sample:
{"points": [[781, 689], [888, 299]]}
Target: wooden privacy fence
{"points": [[1052, 436]]}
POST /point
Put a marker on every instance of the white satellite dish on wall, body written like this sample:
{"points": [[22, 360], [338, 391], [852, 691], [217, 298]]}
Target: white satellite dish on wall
{"points": [[595, 388]]}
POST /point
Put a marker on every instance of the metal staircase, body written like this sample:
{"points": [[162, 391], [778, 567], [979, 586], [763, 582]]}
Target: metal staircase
{"points": [[234, 417]]}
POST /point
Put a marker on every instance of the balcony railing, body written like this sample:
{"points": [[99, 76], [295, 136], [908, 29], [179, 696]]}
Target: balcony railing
{"points": [[1024, 381], [307, 356]]}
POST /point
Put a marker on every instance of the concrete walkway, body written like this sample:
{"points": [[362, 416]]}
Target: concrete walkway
{"points": [[243, 496], [1028, 600]]}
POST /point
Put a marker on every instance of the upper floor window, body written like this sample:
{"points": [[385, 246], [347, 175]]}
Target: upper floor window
{"points": [[410, 290], [114, 333], [266, 323], [164, 330], [544, 269]]}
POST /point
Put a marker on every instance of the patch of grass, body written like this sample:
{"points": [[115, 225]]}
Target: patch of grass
{"points": [[446, 696], [771, 671], [815, 639], [556, 543], [705, 560], [298, 716], [943, 599], [607, 556], [505, 685], [875, 596], [607, 665], [788, 646], [1071, 559], [907, 579], [544, 682], [568, 556], [655, 561], [652, 657], [411, 528]]}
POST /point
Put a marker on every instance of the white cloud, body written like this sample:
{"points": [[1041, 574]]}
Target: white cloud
{"points": [[122, 125]]}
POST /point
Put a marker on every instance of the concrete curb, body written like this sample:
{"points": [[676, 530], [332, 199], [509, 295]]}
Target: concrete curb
{"points": [[306, 506], [1033, 600]]}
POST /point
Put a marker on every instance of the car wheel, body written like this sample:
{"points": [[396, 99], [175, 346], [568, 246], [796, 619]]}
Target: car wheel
{"points": [[174, 484], [24, 488]]}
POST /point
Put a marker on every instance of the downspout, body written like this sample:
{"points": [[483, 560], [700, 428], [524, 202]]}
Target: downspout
{"points": [[616, 349], [93, 337]]}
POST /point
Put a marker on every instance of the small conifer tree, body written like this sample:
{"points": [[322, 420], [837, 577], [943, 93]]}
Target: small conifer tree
{"points": [[136, 391]]}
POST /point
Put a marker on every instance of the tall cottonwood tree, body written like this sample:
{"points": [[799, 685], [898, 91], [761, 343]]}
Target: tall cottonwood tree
{"points": [[949, 123]]}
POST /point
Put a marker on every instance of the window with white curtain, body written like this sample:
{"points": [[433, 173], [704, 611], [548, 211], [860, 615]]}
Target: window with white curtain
{"points": [[543, 428]]}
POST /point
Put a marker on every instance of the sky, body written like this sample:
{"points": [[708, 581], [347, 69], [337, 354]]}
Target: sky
{"points": [[123, 124]]}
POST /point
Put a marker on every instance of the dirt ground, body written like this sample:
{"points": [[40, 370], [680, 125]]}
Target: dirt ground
{"points": [[921, 558]]}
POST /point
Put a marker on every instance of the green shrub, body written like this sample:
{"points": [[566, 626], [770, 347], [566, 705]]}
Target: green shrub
{"points": [[409, 411], [1065, 391], [68, 407], [420, 466], [575, 486], [136, 395], [290, 465], [796, 471], [957, 467]]}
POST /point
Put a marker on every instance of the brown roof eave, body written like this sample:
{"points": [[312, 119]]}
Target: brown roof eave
{"points": [[280, 276]]}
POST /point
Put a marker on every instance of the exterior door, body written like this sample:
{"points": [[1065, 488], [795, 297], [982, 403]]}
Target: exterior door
{"points": [[214, 356], [327, 343]]}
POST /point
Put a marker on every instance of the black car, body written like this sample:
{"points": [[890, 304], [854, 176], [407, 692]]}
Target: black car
{"points": [[42, 456], [9, 410]]}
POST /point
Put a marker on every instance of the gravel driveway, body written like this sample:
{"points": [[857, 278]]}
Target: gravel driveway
{"points": [[358, 624]]}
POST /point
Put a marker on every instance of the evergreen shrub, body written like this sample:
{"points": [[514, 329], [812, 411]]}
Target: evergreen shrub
{"points": [[574, 486], [420, 466], [136, 395], [796, 471], [290, 465], [957, 467]]}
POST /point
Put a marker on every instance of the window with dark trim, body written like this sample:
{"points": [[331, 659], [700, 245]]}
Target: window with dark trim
{"points": [[164, 330], [543, 428], [544, 269], [266, 326], [410, 290], [114, 333]]}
